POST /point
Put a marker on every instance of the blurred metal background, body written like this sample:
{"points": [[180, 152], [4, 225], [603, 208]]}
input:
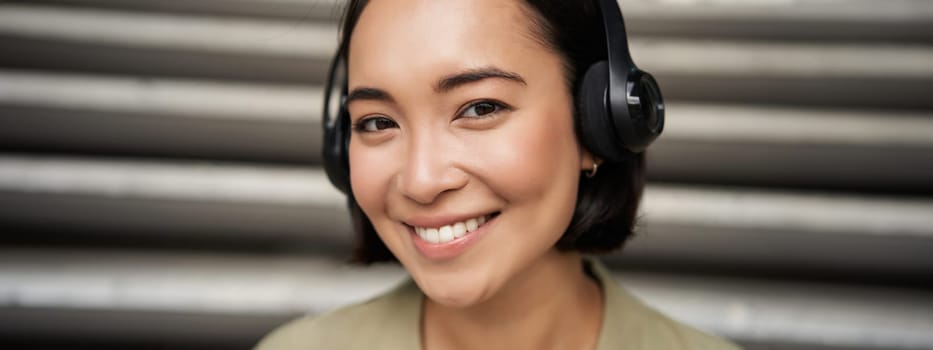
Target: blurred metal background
{"points": [[160, 183]]}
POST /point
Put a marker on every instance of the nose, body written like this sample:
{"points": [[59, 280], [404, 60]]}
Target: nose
{"points": [[430, 168]]}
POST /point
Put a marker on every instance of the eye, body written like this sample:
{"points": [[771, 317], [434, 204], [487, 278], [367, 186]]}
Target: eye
{"points": [[482, 108], [374, 124]]}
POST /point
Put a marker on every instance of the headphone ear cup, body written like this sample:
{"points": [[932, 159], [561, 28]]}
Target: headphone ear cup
{"points": [[643, 120], [651, 105], [598, 133], [335, 150]]}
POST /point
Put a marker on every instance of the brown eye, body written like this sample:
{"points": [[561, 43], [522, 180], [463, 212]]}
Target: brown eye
{"points": [[482, 108], [375, 124]]}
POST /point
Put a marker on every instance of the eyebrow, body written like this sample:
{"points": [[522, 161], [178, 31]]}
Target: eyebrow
{"points": [[454, 81], [368, 93], [445, 84]]}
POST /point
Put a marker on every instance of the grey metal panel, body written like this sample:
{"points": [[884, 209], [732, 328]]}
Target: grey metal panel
{"points": [[140, 134], [826, 92], [160, 116], [780, 29], [35, 36], [893, 260], [811, 20], [281, 9], [134, 221], [161, 97], [900, 169], [180, 32], [95, 328], [900, 20], [841, 149], [44, 54], [769, 60]]}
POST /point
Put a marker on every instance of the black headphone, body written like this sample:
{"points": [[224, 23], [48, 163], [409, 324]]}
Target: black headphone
{"points": [[621, 110]]}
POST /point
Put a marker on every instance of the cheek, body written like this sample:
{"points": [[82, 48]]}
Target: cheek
{"points": [[536, 166], [369, 179]]}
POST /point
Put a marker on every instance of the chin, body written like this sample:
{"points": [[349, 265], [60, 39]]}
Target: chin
{"points": [[457, 296], [456, 289]]}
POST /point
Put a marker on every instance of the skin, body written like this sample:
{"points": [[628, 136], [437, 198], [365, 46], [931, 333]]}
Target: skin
{"points": [[420, 151]]}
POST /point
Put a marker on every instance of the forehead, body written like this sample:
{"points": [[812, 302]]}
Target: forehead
{"points": [[410, 39]]}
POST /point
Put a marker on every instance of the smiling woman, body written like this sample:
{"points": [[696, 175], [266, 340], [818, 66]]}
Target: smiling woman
{"points": [[464, 134]]}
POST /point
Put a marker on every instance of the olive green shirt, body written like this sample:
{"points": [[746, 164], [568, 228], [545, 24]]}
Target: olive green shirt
{"points": [[392, 322]]}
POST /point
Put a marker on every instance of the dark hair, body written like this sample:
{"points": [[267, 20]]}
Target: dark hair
{"points": [[607, 204]]}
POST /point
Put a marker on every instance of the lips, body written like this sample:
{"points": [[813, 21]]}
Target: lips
{"points": [[450, 239]]}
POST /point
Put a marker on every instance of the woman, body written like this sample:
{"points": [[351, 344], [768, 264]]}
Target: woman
{"points": [[469, 163]]}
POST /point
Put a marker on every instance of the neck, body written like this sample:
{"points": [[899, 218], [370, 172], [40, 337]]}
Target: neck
{"points": [[552, 305]]}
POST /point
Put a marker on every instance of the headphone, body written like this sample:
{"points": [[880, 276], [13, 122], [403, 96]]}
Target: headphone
{"points": [[621, 110]]}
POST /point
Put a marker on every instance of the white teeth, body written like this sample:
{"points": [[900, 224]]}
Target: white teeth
{"points": [[459, 230], [450, 232], [430, 235], [446, 233]]}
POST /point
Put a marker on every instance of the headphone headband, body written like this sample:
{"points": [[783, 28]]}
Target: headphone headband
{"points": [[632, 98], [616, 45]]}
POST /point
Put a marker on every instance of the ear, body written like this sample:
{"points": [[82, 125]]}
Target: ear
{"points": [[587, 159]]}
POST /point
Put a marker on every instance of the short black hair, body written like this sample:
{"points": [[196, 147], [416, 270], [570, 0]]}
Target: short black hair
{"points": [[607, 204]]}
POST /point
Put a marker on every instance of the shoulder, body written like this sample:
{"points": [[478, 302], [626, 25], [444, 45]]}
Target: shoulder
{"points": [[666, 333], [331, 330], [631, 324], [340, 329], [647, 328]]}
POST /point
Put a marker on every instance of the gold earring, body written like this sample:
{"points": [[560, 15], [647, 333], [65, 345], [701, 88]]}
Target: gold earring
{"points": [[592, 172]]}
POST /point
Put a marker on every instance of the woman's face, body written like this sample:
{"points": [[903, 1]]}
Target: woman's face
{"points": [[461, 115]]}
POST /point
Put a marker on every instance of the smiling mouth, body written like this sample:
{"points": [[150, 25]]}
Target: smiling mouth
{"points": [[451, 232]]}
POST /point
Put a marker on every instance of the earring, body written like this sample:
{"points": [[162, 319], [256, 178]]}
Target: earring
{"points": [[592, 172]]}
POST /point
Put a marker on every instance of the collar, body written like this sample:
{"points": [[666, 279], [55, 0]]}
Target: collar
{"points": [[626, 320]]}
